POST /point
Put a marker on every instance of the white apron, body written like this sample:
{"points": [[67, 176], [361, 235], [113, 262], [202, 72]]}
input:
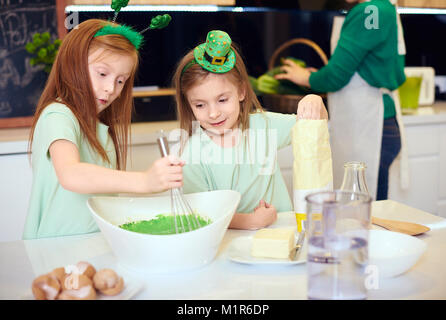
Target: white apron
{"points": [[356, 122]]}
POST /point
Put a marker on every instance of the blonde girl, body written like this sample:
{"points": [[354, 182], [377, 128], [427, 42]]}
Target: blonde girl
{"points": [[80, 134], [232, 142]]}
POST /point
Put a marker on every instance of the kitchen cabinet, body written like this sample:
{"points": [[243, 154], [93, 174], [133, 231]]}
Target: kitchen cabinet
{"points": [[15, 188], [426, 146]]}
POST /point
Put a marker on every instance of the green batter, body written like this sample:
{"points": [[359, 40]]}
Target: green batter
{"points": [[164, 224]]}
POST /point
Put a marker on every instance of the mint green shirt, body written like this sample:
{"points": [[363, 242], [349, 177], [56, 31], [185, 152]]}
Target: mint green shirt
{"points": [[250, 167], [54, 211], [373, 53]]}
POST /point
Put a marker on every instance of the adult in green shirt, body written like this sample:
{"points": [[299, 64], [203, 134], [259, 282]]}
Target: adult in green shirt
{"points": [[367, 63]]}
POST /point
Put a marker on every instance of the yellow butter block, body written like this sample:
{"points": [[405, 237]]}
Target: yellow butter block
{"points": [[273, 243]]}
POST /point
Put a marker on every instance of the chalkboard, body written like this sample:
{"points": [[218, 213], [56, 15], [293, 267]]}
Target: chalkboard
{"points": [[20, 83]]}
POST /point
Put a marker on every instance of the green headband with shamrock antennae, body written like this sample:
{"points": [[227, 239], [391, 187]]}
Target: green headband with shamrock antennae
{"points": [[136, 38]]}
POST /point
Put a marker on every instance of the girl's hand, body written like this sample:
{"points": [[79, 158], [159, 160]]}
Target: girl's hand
{"points": [[264, 215], [294, 73], [311, 107], [165, 173]]}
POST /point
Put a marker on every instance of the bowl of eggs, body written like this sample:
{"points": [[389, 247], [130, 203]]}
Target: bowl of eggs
{"points": [[122, 221]]}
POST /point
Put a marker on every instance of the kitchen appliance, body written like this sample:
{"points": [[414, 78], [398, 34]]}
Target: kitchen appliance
{"points": [[427, 89]]}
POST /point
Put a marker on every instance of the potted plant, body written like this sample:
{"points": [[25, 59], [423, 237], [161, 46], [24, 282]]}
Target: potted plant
{"points": [[43, 49]]}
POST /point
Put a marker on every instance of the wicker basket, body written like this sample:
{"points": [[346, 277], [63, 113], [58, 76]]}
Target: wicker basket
{"points": [[288, 103]]}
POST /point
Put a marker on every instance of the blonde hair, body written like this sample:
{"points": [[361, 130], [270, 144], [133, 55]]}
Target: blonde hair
{"points": [[69, 82], [184, 80]]}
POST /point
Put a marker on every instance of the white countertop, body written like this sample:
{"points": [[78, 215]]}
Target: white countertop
{"points": [[15, 140], [427, 114], [221, 279]]}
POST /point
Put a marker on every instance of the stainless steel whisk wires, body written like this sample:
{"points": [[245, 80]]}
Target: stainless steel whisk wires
{"points": [[178, 203]]}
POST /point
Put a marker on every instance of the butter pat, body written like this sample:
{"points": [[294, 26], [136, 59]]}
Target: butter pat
{"points": [[273, 243]]}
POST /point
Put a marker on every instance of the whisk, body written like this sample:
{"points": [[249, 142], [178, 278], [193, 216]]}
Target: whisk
{"points": [[188, 220]]}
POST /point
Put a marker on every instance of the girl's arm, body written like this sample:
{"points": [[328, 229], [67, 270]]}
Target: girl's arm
{"points": [[263, 216], [80, 177]]}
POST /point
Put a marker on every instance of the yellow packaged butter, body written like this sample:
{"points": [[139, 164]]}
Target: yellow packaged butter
{"points": [[273, 243]]}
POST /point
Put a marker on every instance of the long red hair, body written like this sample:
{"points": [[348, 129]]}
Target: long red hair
{"points": [[69, 83]]}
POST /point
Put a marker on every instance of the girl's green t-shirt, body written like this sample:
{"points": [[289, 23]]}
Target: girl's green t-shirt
{"points": [[54, 211], [251, 167]]}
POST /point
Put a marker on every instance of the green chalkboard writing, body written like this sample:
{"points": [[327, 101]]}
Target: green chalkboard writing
{"points": [[20, 83]]}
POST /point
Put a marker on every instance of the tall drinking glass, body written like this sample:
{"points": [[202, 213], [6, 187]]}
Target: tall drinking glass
{"points": [[338, 231]]}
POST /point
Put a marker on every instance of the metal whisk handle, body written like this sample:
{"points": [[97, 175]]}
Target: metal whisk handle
{"points": [[163, 144]]}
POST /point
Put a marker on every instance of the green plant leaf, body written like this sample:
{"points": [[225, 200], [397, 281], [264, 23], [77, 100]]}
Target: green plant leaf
{"points": [[42, 53], [36, 36], [38, 42], [46, 36], [43, 49], [30, 47]]}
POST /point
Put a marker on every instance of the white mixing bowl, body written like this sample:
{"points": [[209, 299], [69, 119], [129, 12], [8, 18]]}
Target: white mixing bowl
{"points": [[164, 253], [393, 253]]}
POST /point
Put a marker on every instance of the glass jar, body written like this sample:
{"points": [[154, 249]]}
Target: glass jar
{"points": [[354, 177]]}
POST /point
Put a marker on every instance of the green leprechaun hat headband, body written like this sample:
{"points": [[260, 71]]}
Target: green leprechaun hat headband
{"points": [[216, 54], [136, 38]]}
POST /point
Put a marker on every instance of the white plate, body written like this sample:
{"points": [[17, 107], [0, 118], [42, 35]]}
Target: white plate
{"points": [[240, 251], [132, 285]]}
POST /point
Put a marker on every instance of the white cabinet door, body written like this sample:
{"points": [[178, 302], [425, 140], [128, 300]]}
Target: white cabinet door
{"points": [[423, 191], [15, 189], [426, 146]]}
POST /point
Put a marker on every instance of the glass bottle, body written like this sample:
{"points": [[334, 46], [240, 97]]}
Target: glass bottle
{"points": [[354, 177]]}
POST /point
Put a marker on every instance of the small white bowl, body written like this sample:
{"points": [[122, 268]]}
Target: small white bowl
{"points": [[393, 253], [164, 253]]}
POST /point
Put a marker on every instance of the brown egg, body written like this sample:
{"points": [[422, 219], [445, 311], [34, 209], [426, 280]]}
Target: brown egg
{"points": [[45, 287], [83, 293], [108, 282], [59, 273], [86, 269]]}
